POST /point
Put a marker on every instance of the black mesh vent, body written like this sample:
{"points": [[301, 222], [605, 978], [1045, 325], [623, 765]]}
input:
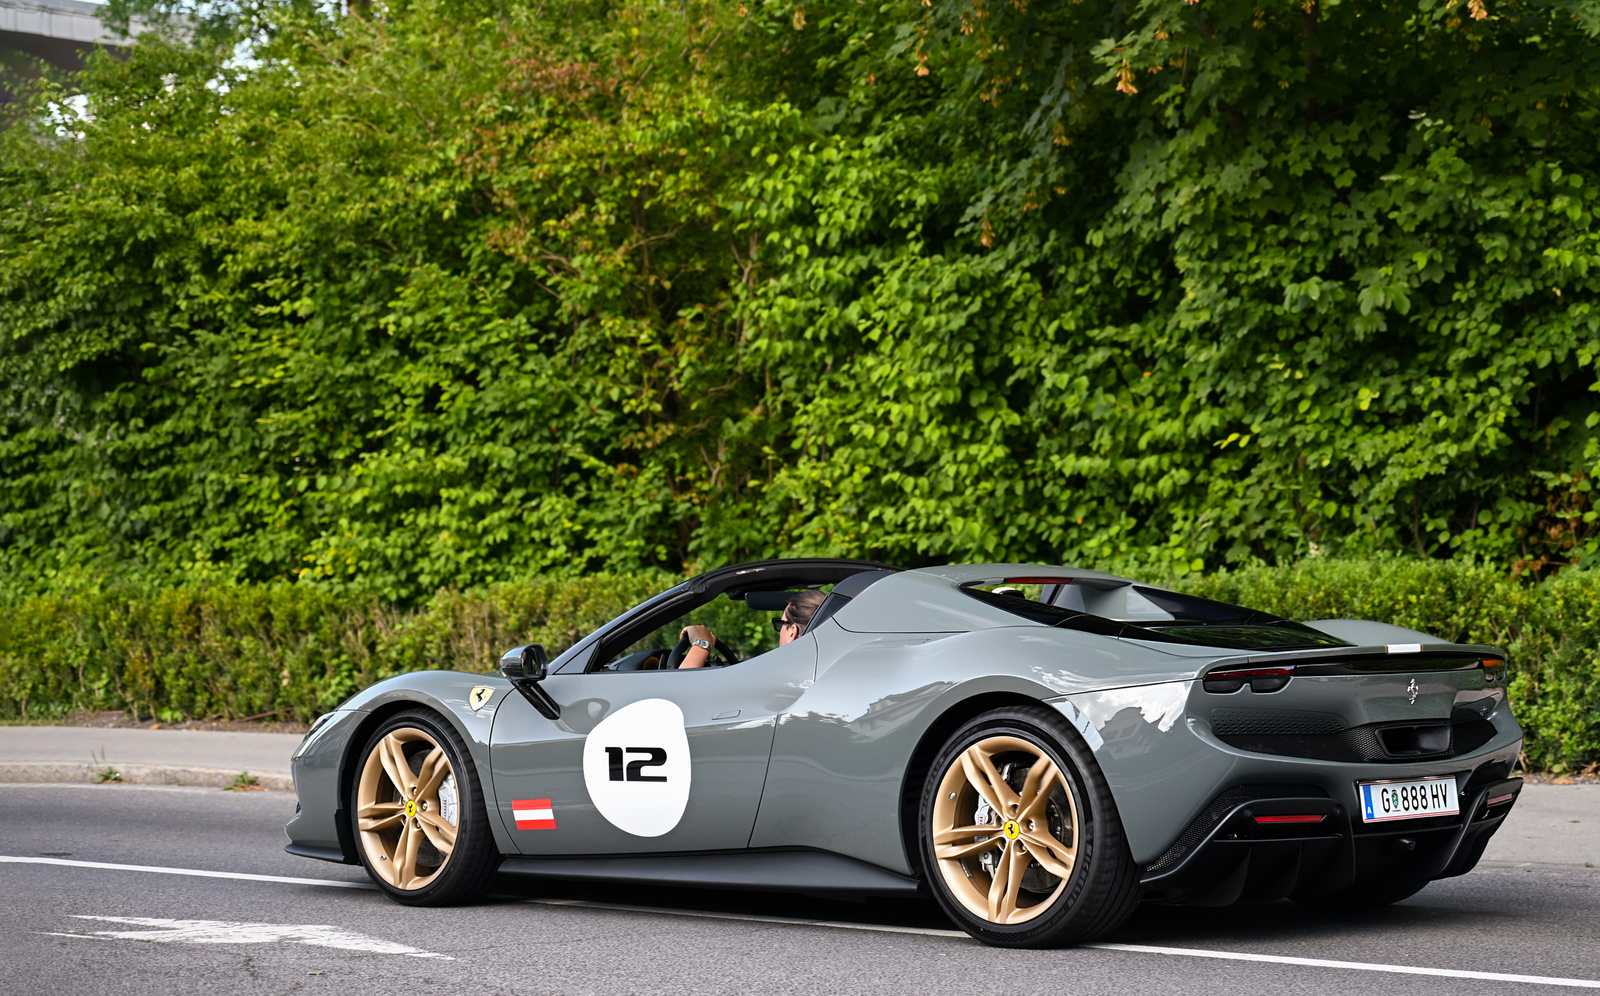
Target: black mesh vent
{"points": [[1311, 735], [1201, 826], [1273, 722]]}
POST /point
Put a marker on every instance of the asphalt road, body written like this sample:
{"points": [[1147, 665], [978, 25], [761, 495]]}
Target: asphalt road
{"points": [[72, 929]]}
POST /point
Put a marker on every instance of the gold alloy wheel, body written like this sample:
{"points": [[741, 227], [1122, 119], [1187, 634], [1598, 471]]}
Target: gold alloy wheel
{"points": [[1005, 830], [408, 808]]}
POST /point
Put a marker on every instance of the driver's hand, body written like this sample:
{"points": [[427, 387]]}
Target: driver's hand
{"points": [[697, 632]]}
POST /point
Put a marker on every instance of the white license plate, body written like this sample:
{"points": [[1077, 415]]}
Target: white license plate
{"points": [[1408, 800]]}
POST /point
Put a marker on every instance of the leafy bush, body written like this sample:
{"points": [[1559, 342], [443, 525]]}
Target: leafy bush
{"points": [[426, 294], [295, 650]]}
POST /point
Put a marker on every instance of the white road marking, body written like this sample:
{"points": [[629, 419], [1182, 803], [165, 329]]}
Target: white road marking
{"points": [[193, 872], [1359, 966], [1538, 980], [1541, 980], [318, 935]]}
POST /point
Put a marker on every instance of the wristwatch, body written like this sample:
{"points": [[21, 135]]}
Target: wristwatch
{"points": [[702, 644]]}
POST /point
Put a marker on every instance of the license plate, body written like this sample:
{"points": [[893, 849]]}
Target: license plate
{"points": [[1408, 800]]}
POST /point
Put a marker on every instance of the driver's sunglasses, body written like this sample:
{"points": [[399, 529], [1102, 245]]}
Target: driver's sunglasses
{"points": [[780, 622]]}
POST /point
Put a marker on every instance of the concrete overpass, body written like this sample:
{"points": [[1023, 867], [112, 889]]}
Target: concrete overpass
{"points": [[60, 32]]}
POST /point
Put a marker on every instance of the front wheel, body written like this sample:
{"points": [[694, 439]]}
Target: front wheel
{"points": [[1020, 837], [420, 823]]}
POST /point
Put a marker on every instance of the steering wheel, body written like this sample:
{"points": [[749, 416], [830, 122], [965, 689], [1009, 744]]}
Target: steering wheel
{"points": [[681, 650]]}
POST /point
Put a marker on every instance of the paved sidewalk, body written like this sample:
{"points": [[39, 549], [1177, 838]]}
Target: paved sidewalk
{"points": [[160, 757], [1550, 824]]}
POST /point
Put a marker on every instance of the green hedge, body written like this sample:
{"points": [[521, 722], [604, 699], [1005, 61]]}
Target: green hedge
{"points": [[288, 650], [294, 650]]}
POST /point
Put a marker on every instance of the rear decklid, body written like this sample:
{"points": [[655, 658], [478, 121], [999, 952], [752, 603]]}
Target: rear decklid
{"points": [[1391, 703]]}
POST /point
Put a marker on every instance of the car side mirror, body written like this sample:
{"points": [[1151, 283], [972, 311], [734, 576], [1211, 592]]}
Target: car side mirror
{"points": [[526, 666], [527, 661]]}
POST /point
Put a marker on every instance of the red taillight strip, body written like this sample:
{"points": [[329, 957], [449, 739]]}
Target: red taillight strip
{"points": [[1497, 800], [1309, 818], [1234, 674]]}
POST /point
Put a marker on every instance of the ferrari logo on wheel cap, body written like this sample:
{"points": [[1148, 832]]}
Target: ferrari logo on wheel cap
{"points": [[1011, 830]]}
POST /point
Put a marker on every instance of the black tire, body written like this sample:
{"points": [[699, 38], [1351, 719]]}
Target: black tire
{"points": [[466, 872], [1102, 889]]}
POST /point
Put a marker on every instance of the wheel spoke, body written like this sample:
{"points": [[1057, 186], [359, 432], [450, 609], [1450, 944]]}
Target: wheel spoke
{"points": [[955, 852], [440, 833], [1017, 860], [434, 770], [988, 783], [374, 823], [372, 809], [1054, 856], [393, 757], [1036, 790], [437, 836], [953, 834], [406, 867], [997, 886]]}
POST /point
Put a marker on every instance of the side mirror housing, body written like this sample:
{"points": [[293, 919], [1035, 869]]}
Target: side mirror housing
{"points": [[527, 661], [526, 666]]}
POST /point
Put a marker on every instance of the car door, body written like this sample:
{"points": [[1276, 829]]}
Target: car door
{"points": [[644, 760]]}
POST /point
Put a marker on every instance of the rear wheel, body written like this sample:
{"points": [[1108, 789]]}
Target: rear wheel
{"points": [[419, 819], [1020, 837]]}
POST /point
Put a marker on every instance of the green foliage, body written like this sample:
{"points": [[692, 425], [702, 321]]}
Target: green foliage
{"points": [[418, 297], [244, 781]]}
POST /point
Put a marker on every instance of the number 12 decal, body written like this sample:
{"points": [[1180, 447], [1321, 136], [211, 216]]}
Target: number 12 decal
{"points": [[641, 791], [633, 771]]}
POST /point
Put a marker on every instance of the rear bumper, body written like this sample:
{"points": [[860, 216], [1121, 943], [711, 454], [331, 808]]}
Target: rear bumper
{"points": [[1229, 855]]}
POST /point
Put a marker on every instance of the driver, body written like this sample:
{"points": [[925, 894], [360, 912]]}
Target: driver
{"points": [[796, 616]]}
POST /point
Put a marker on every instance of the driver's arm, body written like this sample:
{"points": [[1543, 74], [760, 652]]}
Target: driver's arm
{"points": [[697, 656]]}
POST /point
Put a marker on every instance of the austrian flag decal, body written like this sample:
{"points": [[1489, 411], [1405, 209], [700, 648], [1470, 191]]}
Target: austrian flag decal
{"points": [[533, 814]]}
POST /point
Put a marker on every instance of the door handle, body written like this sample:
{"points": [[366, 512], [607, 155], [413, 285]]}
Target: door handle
{"points": [[730, 714]]}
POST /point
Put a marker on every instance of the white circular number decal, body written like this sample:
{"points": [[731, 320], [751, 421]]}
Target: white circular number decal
{"points": [[636, 767]]}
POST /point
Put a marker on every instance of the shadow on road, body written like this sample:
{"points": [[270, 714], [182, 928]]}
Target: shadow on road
{"points": [[1152, 924]]}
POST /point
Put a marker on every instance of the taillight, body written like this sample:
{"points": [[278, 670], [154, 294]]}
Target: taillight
{"points": [[1307, 818], [1494, 671], [1261, 679]]}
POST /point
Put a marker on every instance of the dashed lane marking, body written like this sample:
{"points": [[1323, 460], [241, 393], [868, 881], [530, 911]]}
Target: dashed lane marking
{"points": [[192, 872], [1359, 966]]}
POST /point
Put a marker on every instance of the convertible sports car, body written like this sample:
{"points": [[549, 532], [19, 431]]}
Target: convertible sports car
{"points": [[1040, 748]]}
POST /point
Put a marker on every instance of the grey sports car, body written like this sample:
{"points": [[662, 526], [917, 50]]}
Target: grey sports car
{"points": [[1040, 748]]}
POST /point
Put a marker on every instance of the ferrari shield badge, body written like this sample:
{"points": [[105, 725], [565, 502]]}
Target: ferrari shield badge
{"points": [[480, 697]]}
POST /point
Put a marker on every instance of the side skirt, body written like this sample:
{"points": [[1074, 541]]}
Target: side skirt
{"points": [[818, 873]]}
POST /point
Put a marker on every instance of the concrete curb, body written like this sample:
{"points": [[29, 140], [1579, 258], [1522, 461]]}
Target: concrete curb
{"points": [[136, 774]]}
